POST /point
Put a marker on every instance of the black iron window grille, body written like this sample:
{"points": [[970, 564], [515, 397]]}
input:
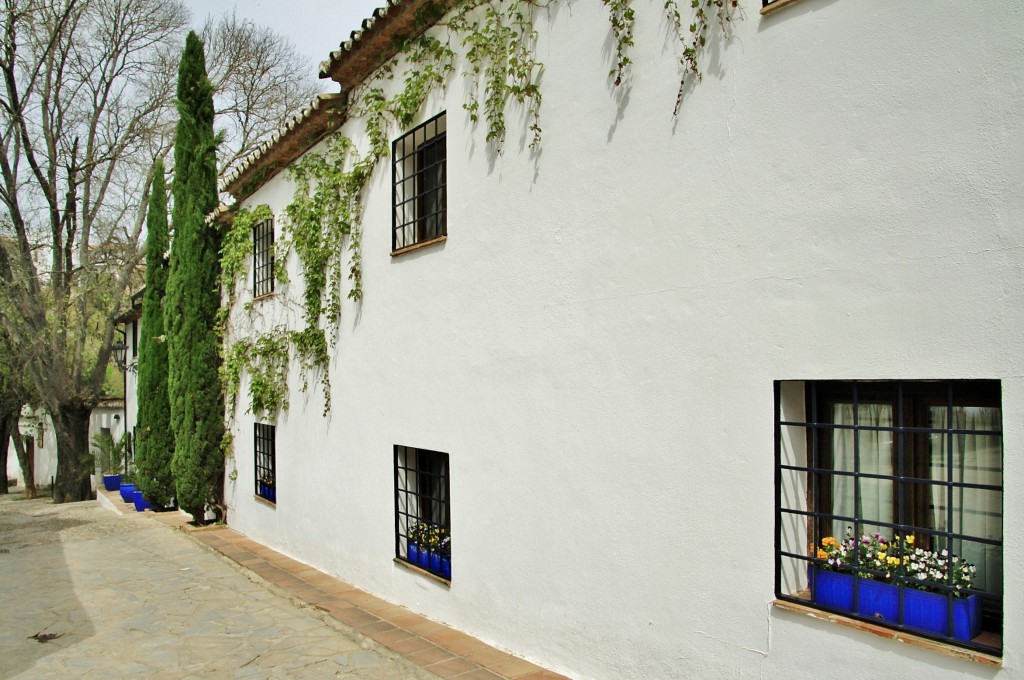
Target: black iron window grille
{"points": [[420, 185], [889, 500], [263, 258], [422, 518], [266, 461]]}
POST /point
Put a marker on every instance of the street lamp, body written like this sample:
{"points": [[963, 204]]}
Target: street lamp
{"points": [[120, 351]]}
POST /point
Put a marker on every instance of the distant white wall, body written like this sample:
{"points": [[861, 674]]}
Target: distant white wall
{"points": [[595, 344], [37, 425], [131, 394], [105, 417]]}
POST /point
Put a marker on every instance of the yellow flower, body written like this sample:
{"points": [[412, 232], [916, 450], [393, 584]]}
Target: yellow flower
{"points": [[822, 554], [910, 540], [828, 540]]}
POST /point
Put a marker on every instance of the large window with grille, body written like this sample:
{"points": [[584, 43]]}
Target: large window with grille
{"points": [[889, 504], [420, 182], [266, 462], [422, 518], [263, 258]]}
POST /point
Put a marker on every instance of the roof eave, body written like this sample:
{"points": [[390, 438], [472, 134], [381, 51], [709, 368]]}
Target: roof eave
{"points": [[380, 38], [301, 133]]}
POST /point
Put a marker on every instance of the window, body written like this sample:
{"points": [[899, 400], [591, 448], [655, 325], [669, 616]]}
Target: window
{"points": [[420, 185], [266, 462], [135, 339], [422, 519], [263, 258], [889, 504]]}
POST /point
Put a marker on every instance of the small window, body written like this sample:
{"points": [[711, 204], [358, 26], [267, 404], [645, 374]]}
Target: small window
{"points": [[263, 258], [422, 518], [135, 339], [889, 504], [420, 185], [266, 462]]}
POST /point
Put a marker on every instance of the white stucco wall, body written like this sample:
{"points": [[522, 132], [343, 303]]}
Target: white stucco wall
{"points": [[131, 378], [596, 343], [108, 416], [38, 424]]}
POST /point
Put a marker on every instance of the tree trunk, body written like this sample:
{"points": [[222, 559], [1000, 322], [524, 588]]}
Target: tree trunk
{"points": [[27, 466], [74, 461], [5, 438]]}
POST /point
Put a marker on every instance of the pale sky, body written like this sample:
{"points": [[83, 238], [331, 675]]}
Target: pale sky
{"points": [[316, 27]]}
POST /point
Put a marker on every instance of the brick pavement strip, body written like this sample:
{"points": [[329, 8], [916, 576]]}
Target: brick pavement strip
{"points": [[88, 593]]}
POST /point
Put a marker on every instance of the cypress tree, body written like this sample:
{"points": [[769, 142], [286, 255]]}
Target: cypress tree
{"points": [[193, 295], [154, 443]]}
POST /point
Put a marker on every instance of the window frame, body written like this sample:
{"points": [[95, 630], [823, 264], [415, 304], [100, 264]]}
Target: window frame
{"points": [[419, 185], [416, 504], [265, 462], [913, 428], [263, 279]]}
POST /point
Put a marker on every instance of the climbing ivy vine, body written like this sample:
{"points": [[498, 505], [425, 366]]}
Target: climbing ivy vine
{"points": [[498, 43]]}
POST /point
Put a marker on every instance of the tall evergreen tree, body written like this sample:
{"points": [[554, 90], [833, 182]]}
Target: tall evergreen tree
{"points": [[193, 295], [154, 444]]}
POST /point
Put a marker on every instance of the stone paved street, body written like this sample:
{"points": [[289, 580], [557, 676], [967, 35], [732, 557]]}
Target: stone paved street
{"points": [[88, 593]]}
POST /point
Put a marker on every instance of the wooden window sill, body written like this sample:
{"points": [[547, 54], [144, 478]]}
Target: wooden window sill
{"points": [[891, 634], [263, 500], [424, 572], [421, 244], [265, 296], [775, 6]]}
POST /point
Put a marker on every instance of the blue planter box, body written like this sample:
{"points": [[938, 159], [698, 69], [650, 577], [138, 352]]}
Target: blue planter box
{"points": [[111, 482], [446, 567], [928, 612], [127, 493], [413, 553], [268, 492]]}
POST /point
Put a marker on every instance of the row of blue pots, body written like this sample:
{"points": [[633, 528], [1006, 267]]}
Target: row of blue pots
{"points": [[267, 492], [433, 562], [130, 495]]}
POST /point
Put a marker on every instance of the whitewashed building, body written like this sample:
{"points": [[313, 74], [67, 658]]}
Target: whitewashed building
{"points": [[640, 372], [40, 440], [127, 358]]}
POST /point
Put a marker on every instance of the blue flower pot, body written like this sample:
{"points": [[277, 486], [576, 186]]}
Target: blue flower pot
{"points": [[140, 502], [435, 562], [924, 611], [423, 558], [413, 553], [446, 567], [127, 493], [111, 482]]}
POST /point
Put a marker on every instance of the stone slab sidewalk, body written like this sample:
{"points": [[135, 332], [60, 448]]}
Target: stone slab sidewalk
{"points": [[86, 593], [429, 645]]}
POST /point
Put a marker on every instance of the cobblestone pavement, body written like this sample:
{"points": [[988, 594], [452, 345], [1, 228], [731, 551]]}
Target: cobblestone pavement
{"points": [[88, 593]]}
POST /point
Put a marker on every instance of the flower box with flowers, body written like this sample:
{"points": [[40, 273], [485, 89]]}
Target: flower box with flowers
{"points": [[430, 547], [266, 488], [875, 567]]}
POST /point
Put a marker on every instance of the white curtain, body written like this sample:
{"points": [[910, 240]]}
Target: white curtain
{"points": [[876, 457], [976, 459]]}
